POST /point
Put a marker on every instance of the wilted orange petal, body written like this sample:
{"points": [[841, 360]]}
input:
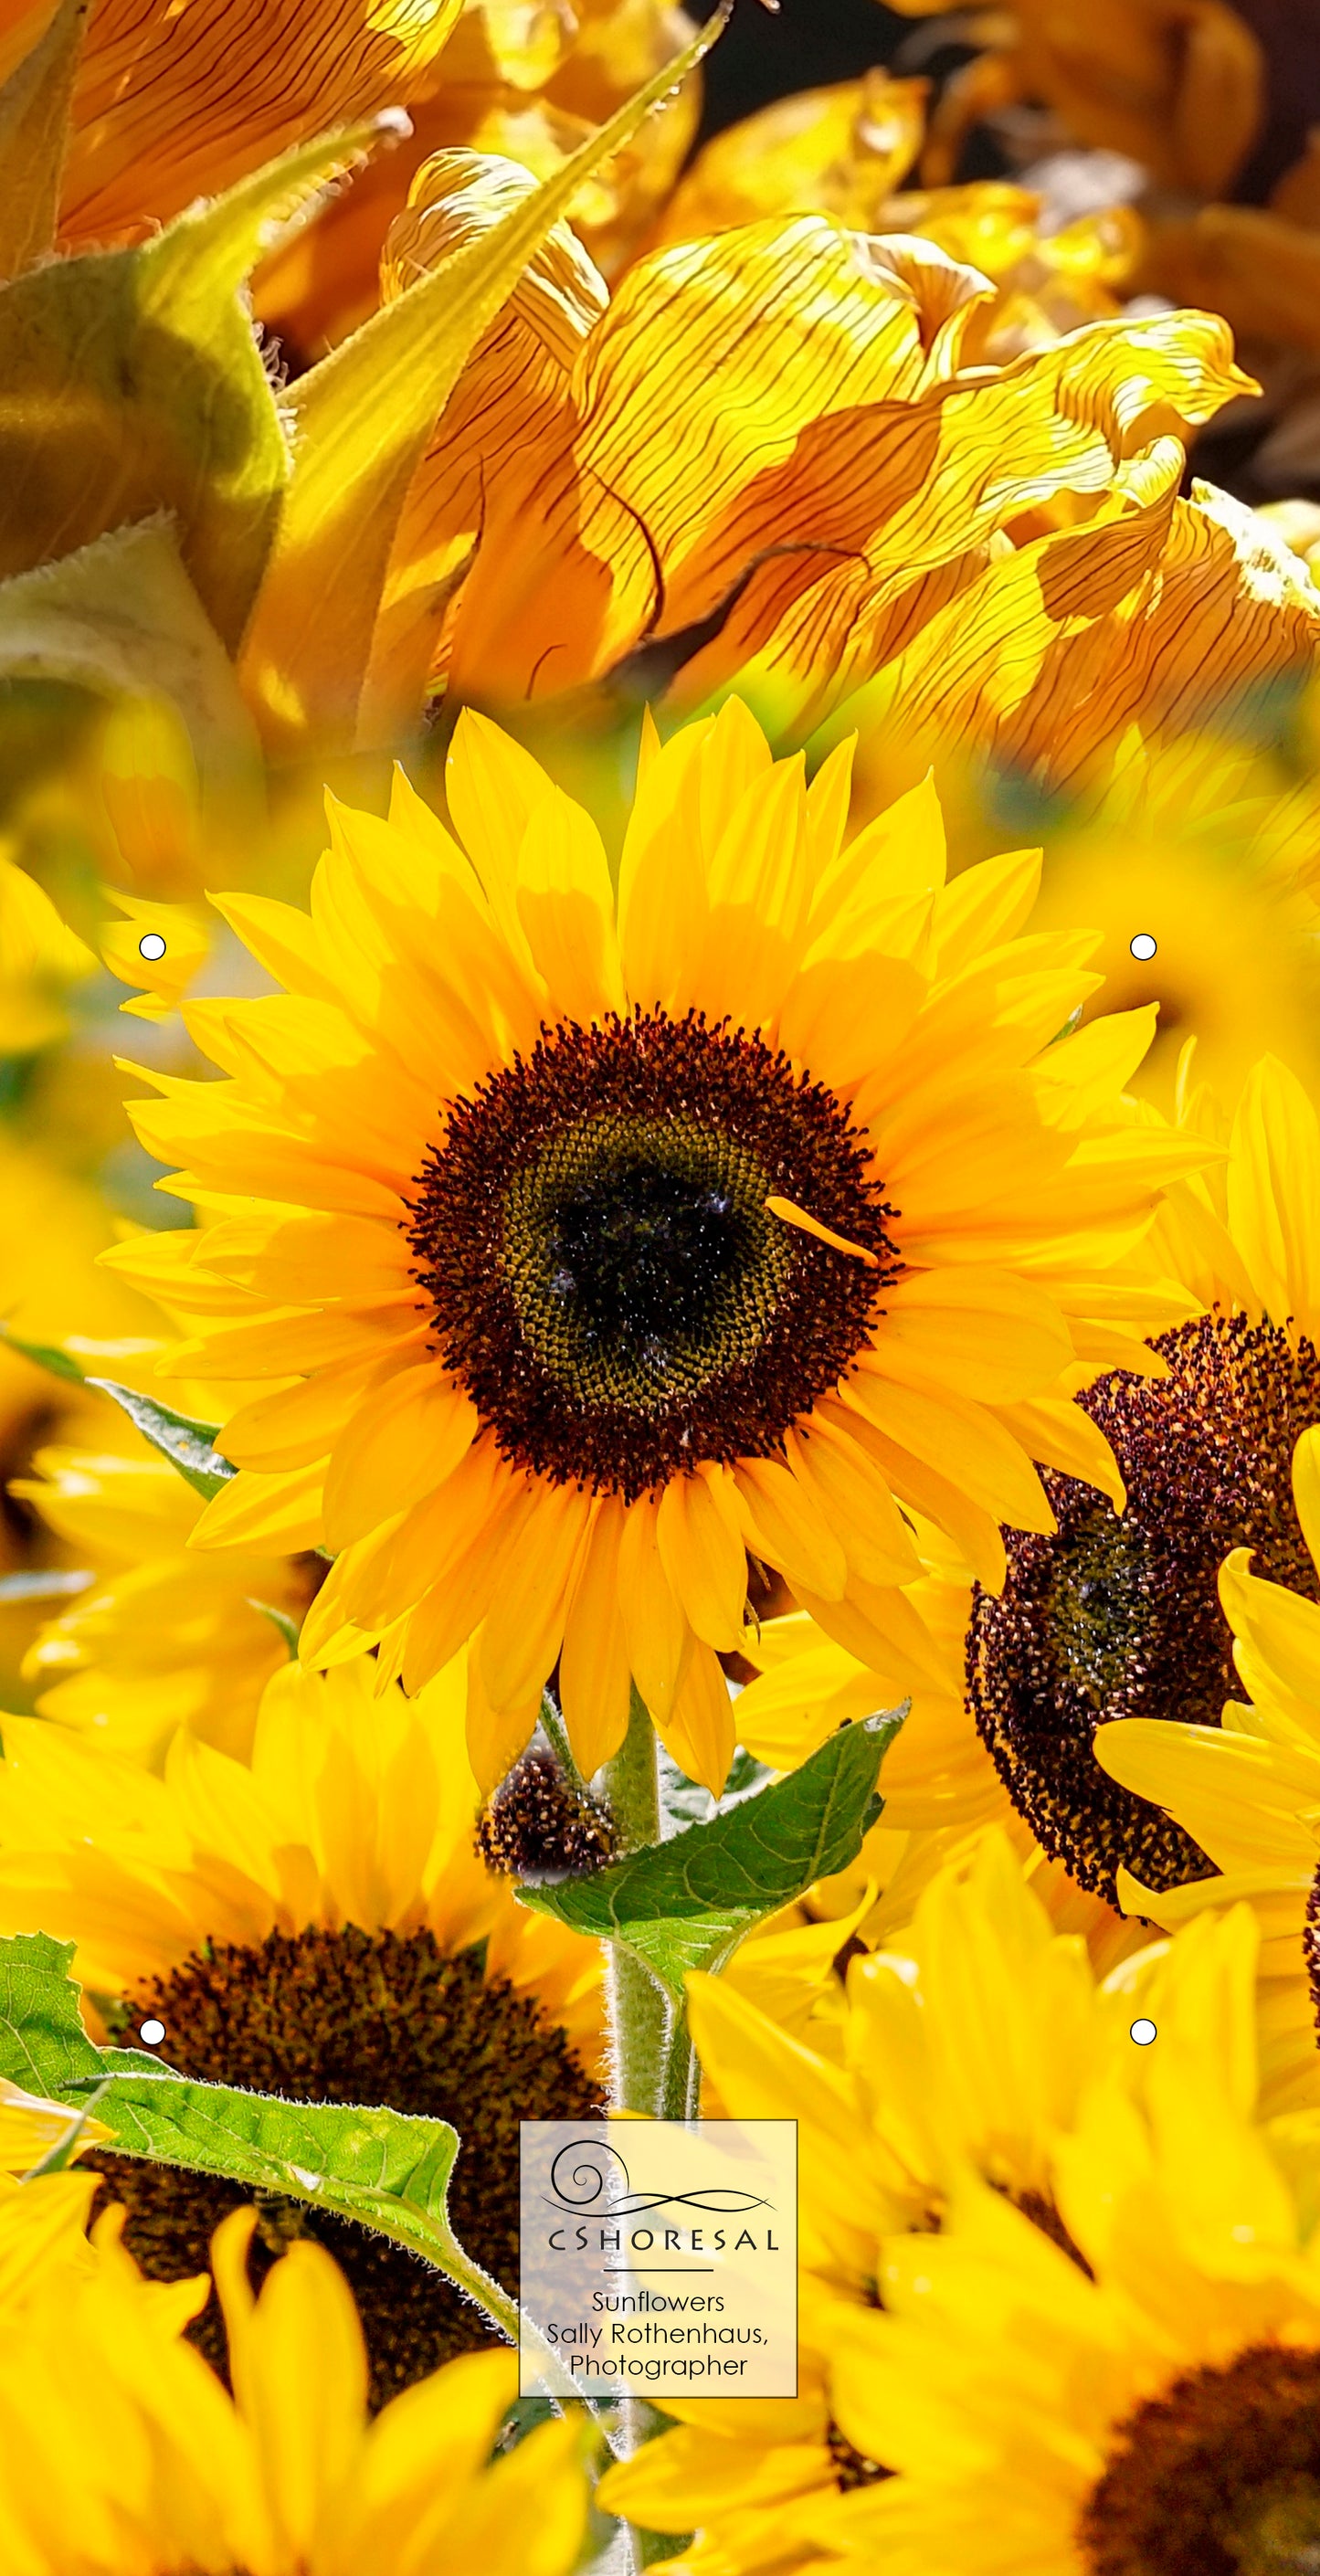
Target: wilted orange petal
{"points": [[177, 98]]}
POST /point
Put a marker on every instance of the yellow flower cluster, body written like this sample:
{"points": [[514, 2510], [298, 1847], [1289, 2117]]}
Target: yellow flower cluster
{"points": [[642, 1237]]}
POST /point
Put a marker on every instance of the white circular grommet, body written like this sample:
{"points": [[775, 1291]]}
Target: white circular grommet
{"points": [[1143, 2032], [151, 946], [153, 2032], [1143, 946]]}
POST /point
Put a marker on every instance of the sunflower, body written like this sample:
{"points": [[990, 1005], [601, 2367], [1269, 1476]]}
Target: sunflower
{"points": [[315, 1923], [158, 1637], [980, 2045], [1198, 846], [1249, 1793], [805, 1684], [1145, 2398], [122, 2455], [613, 1242], [941, 1785], [1118, 1617]]}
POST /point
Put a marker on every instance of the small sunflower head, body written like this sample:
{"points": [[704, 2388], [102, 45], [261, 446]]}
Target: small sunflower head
{"points": [[1116, 1617], [352, 2016], [540, 1825]]}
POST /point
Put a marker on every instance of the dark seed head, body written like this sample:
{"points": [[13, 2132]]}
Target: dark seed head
{"points": [[540, 1826], [1219, 2477], [1120, 1617], [604, 1274], [351, 2016]]}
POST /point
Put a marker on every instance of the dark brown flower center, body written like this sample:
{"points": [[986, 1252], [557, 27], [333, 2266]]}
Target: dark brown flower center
{"points": [[604, 1274], [1219, 2477], [539, 1825], [350, 2016], [852, 2468], [1120, 1617]]}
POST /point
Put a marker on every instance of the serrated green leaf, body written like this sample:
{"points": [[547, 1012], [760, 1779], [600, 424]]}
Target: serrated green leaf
{"points": [[361, 422], [34, 126], [131, 383], [684, 1802], [387, 2169], [687, 1903], [43, 2045], [46, 1355], [189, 1446]]}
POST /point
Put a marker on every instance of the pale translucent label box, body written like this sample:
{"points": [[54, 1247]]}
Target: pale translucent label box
{"points": [[659, 2258]]}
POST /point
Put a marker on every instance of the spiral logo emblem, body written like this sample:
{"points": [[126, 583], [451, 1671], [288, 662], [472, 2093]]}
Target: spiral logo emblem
{"points": [[585, 2185]]}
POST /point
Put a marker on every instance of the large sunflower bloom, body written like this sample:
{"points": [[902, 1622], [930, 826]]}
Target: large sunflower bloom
{"points": [[978, 2044], [122, 2455], [316, 1924], [613, 1239], [1248, 1793], [1115, 1617]]}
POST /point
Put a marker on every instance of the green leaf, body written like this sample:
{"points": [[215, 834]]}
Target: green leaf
{"points": [[34, 129], [362, 420], [131, 383], [188, 1445], [684, 1802], [120, 616], [687, 1903], [387, 2169]]}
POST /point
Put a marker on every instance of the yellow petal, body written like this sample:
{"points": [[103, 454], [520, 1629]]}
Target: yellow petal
{"points": [[702, 1553]]}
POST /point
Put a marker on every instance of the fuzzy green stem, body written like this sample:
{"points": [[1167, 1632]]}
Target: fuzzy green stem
{"points": [[682, 2081], [639, 2014]]}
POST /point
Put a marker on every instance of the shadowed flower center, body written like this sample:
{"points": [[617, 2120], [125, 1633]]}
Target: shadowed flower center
{"points": [[605, 1276], [1219, 2477], [1119, 1617], [351, 2016]]}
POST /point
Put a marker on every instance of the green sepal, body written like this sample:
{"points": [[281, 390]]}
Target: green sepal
{"points": [[188, 1445]]}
